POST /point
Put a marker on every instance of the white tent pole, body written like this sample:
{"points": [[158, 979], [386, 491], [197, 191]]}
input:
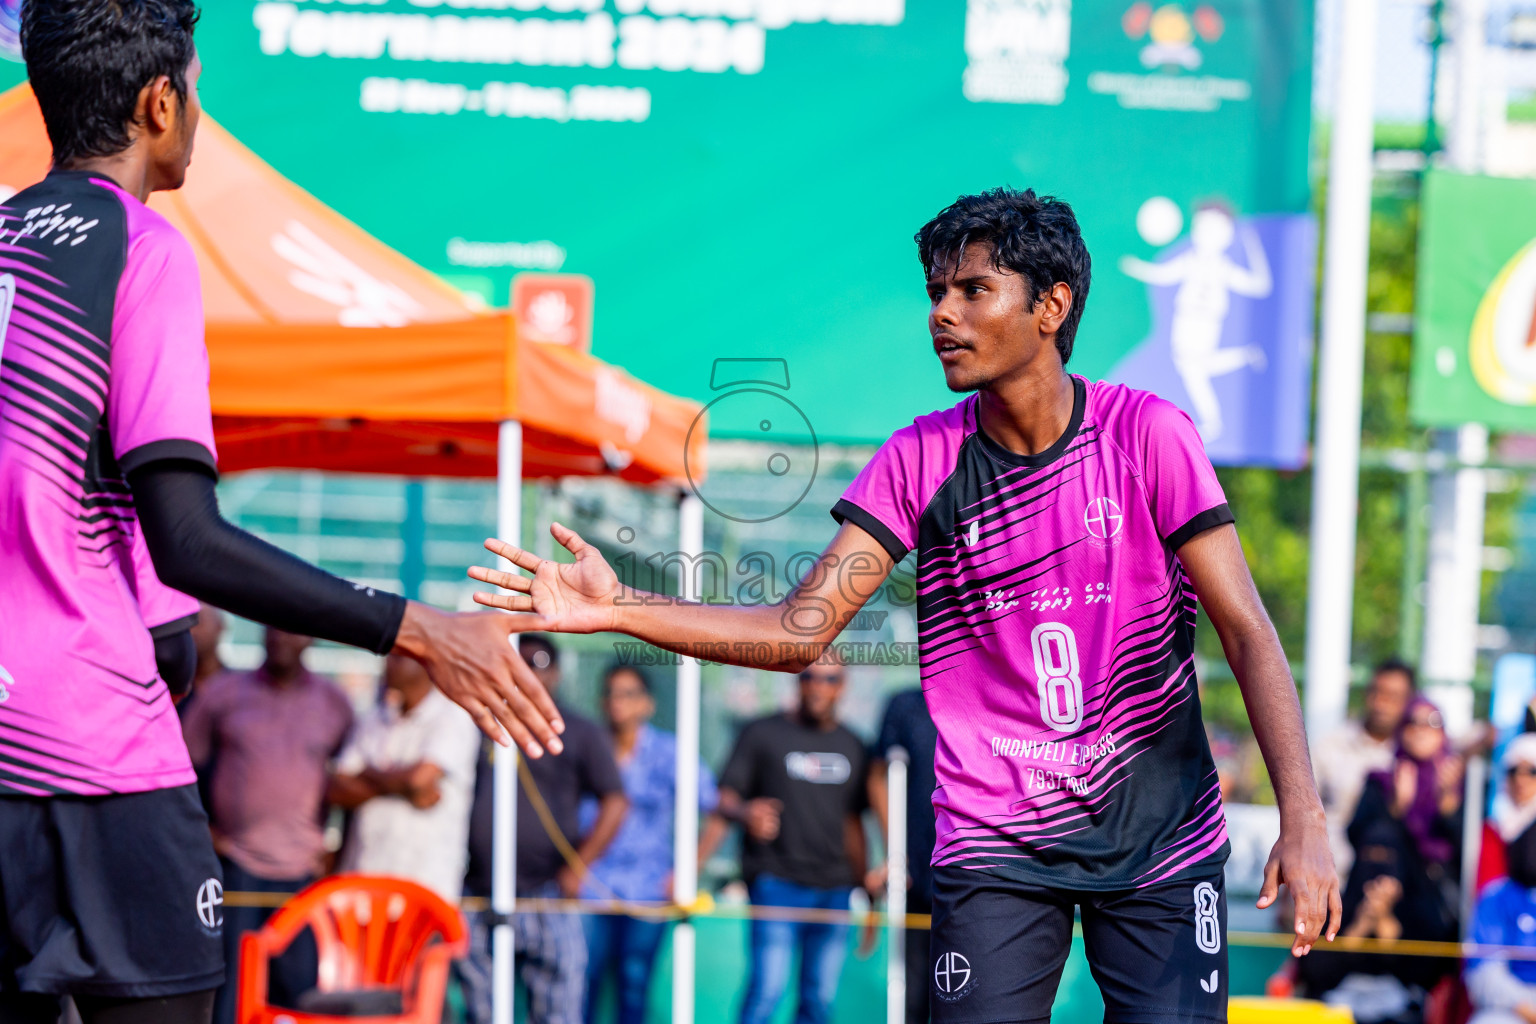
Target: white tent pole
{"points": [[509, 527], [896, 886], [1458, 496], [1336, 468], [685, 836]]}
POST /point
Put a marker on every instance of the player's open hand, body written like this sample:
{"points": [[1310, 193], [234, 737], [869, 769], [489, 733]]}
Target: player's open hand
{"points": [[470, 658], [1303, 861], [565, 597]]}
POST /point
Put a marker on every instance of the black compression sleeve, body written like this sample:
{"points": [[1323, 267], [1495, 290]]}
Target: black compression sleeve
{"points": [[176, 658], [196, 552]]}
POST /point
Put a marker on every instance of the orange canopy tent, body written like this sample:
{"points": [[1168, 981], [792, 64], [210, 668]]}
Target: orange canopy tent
{"points": [[330, 350]]}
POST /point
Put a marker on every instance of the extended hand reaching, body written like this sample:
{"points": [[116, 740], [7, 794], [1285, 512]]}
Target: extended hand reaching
{"points": [[565, 597]]}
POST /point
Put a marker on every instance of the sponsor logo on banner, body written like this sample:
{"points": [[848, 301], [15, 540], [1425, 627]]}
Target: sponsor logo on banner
{"points": [[1230, 342], [1172, 41], [1503, 346], [1016, 50], [554, 309]]}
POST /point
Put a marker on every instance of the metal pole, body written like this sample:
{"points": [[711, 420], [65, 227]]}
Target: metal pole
{"points": [[509, 525], [1473, 802], [1336, 471], [896, 885], [1410, 627], [1453, 583], [685, 835]]}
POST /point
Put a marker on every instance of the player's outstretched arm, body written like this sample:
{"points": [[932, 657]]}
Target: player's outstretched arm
{"points": [[585, 596], [468, 657], [1301, 858]]}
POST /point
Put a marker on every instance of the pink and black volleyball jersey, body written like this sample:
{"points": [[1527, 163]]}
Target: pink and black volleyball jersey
{"points": [[102, 370], [1056, 629]]}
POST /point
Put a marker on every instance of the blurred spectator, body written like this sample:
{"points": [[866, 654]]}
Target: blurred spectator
{"points": [[1356, 749], [1403, 884], [908, 725], [638, 864], [408, 776], [267, 736], [1503, 990], [551, 948], [797, 783]]}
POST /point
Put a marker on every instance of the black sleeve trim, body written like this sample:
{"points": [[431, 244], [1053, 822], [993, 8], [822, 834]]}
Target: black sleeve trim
{"points": [[1211, 518], [173, 627], [156, 451], [847, 511]]}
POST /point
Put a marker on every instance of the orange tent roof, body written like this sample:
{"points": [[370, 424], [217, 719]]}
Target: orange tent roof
{"points": [[330, 350]]}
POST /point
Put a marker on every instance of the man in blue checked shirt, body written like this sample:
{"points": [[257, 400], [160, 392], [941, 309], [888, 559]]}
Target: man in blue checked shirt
{"points": [[638, 864]]}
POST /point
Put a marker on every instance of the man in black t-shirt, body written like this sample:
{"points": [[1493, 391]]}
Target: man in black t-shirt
{"points": [[796, 783], [908, 725], [551, 948]]}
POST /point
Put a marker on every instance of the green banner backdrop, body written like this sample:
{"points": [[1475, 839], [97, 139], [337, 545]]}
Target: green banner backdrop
{"points": [[743, 177], [1474, 346]]}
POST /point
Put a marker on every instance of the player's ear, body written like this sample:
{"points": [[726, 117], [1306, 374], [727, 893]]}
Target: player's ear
{"points": [[1055, 306], [159, 100]]}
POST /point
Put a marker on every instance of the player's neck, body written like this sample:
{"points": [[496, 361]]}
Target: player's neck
{"points": [[1029, 412], [130, 170]]}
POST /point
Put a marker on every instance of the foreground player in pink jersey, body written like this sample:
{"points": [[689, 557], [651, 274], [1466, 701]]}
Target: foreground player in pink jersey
{"points": [[1063, 531], [109, 888]]}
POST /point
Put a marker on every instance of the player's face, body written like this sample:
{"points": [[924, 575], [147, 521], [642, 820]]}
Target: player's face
{"points": [[984, 322]]}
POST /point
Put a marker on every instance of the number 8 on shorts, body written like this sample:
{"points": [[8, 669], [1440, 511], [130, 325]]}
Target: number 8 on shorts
{"points": [[1207, 921]]}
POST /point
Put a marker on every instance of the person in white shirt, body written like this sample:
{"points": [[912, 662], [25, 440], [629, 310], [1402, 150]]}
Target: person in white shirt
{"points": [[1357, 748], [408, 777]]}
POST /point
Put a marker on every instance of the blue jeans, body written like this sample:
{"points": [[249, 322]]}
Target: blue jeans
{"points": [[822, 948], [630, 945]]}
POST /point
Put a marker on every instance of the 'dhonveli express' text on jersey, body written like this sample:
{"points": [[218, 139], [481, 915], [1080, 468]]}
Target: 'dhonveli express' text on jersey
{"points": [[102, 370], [1057, 635]]}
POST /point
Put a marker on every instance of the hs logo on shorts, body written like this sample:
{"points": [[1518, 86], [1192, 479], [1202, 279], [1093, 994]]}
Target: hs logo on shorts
{"points": [[210, 901], [952, 977]]}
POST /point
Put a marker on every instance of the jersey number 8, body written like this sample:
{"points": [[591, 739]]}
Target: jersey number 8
{"points": [[1061, 687], [7, 301]]}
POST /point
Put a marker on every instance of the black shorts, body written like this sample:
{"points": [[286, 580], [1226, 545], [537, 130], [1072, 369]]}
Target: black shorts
{"points": [[1159, 954], [115, 896]]}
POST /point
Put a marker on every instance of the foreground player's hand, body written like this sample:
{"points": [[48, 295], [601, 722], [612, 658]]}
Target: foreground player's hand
{"points": [[1303, 861], [471, 659], [564, 597]]}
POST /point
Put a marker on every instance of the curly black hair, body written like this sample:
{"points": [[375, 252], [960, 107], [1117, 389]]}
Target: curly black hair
{"points": [[89, 60], [1036, 237]]}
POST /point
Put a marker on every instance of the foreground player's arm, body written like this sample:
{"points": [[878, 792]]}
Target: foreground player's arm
{"points": [[586, 596], [1301, 858], [468, 656], [176, 661]]}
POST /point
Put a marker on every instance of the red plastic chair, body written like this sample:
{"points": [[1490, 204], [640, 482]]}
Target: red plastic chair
{"points": [[375, 936]]}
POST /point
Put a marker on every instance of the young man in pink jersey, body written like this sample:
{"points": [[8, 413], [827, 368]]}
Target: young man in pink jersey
{"points": [[1063, 531], [109, 888]]}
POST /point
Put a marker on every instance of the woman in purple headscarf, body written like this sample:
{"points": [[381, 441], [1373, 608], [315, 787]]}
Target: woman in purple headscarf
{"points": [[1407, 838], [1422, 792]]}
